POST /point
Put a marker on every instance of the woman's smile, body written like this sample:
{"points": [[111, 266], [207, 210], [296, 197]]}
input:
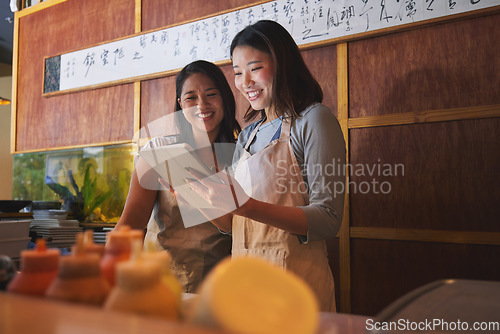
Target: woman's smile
{"points": [[205, 116], [253, 75], [202, 104], [254, 94]]}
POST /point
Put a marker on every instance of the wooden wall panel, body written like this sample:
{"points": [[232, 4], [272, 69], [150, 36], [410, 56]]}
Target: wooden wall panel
{"points": [[450, 179], [88, 117], [383, 271], [450, 168], [157, 98], [322, 62], [333, 249], [447, 66]]}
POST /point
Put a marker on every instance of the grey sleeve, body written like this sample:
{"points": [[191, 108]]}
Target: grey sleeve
{"points": [[319, 146]]}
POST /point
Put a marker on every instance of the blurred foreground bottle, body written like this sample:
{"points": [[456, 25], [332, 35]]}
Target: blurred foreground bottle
{"points": [[39, 268], [80, 279], [139, 289]]}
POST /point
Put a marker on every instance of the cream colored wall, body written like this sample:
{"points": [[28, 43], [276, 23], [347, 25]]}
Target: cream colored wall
{"points": [[5, 156]]}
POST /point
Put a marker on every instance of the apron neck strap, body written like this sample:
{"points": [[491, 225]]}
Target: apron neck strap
{"points": [[252, 135], [284, 135], [286, 124]]}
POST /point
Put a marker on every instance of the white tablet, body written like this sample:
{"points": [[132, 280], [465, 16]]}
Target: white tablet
{"points": [[170, 162]]}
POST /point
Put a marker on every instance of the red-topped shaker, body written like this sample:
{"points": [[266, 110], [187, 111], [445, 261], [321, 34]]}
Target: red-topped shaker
{"points": [[39, 267]]}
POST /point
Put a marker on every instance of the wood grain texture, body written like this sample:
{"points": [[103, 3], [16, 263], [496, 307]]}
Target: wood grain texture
{"points": [[450, 179], [425, 116], [453, 65], [459, 237], [383, 271], [85, 118], [157, 99], [334, 258], [344, 232], [322, 62]]}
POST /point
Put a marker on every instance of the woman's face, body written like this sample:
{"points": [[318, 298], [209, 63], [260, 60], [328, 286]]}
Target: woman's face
{"points": [[253, 70], [202, 104]]}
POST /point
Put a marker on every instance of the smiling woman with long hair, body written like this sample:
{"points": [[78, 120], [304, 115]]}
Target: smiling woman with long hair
{"points": [[286, 206], [205, 107]]}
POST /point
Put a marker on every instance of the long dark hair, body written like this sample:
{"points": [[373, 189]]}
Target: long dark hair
{"points": [[229, 128], [294, 87]]}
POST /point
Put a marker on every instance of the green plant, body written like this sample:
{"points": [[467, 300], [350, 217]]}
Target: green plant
{"points": [[84, 201]]}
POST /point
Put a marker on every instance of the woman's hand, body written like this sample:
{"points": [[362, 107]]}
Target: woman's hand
{"points": [[220, 190], [219, 217]]}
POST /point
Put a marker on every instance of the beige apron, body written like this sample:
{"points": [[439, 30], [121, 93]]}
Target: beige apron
{"points": [[195, 250], [269, 176]]}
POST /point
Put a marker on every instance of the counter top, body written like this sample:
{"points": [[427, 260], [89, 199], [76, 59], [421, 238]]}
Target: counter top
{"points": [[26, 315]]}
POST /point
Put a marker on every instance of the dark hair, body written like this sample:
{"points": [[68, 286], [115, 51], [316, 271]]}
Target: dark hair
{"points": [[294, 87], [229, 128]]}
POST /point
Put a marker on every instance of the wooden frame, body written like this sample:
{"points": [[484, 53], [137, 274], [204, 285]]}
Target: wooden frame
{"points": [[458, 237], [343, 117], [425, 116]]}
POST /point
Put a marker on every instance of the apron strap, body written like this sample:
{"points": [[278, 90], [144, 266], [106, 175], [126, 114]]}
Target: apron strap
{"points": [[286, 125], [284, 135], [252, 135]]}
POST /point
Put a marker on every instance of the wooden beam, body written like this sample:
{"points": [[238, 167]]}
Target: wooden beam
{"points": [[39, 6], [458, 237], [137, 84], [13, 106], [343, 116], [428, 116], [70, 147], [138, 16]]}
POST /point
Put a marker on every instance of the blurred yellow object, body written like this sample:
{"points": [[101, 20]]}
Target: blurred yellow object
{"points": [[250, 295], [4, 101]]}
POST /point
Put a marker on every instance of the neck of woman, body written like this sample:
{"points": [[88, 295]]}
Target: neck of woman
{"points": [[203, 148], [270, 114], [200, 138]]}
